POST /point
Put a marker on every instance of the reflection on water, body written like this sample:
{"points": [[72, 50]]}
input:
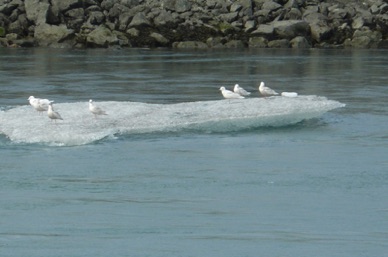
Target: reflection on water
{"points": [[156, 75]]}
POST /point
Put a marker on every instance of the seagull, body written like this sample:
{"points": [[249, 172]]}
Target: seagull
{"points": [[53, 114], [241, 91], [95, 110], [229, 94], [39, 105], [266, 91]]}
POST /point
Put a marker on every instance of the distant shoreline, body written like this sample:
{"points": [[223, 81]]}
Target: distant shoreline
{"points": [[194, 24]]}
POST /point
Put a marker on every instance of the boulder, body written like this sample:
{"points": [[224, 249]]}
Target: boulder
{"points": [[235, 44], [366, 38], [281, 43], [264, 30], [159, 38], [182, 6], [139, 20], [64, 5], [190, 45], [51, 35], [37, 10], [249, 26], [96, 18], [257, 42], [300, 42], [164, 17], [215, 42], [101, 37], [290, 29]]}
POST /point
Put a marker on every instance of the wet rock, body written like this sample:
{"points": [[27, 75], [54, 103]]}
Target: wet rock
{"points": [[190, 45], [281, 43], [235, 44], [300, 42]]}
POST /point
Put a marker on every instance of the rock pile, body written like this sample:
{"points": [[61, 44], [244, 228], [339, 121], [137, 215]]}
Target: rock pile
{"points": [[194, 23]]}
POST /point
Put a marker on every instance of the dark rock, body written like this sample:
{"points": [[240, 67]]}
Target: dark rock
{"points": [[300, 42], [281, 43], [96, 18], [215, 42], [235, 44], [291, 29], [190, 45], [64, 5]]}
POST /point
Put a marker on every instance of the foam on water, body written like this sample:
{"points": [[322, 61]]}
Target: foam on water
{"points": [[25, 125]]}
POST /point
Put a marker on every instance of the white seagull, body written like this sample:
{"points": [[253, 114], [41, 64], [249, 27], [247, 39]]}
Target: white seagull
{"points": [[95, 110], [39, 105], [266, 91], [229, 94], [53, 114], [241, 91]]}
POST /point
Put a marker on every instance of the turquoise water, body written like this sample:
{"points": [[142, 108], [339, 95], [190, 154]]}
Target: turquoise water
{"points": [[175, 170]]}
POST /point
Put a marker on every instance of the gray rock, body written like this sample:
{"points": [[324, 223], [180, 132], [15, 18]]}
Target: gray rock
{"points": [[190, 45], [117, 10], [49, 35], [140, 20], [264, 30], [96, 18], [64, 5], [293, 14], [101, 37], [164, 17], [182, 6], [37, 10], [124, 20], [249, 26], [235, 44], [133, 32], [235, 7], [107, 4], [271, 6], [300, 42], [291, 29], [366, 38], [215, 42], [229, 17], [159, 38], [320, 31], [281, 43], [258, 42], [358, 23]]}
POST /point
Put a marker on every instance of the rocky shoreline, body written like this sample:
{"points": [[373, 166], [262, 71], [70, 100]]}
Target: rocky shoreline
{"points": [[194, 23]]}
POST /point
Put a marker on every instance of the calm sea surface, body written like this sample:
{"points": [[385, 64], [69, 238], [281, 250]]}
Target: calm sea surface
{"points": [[315, 188]]}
